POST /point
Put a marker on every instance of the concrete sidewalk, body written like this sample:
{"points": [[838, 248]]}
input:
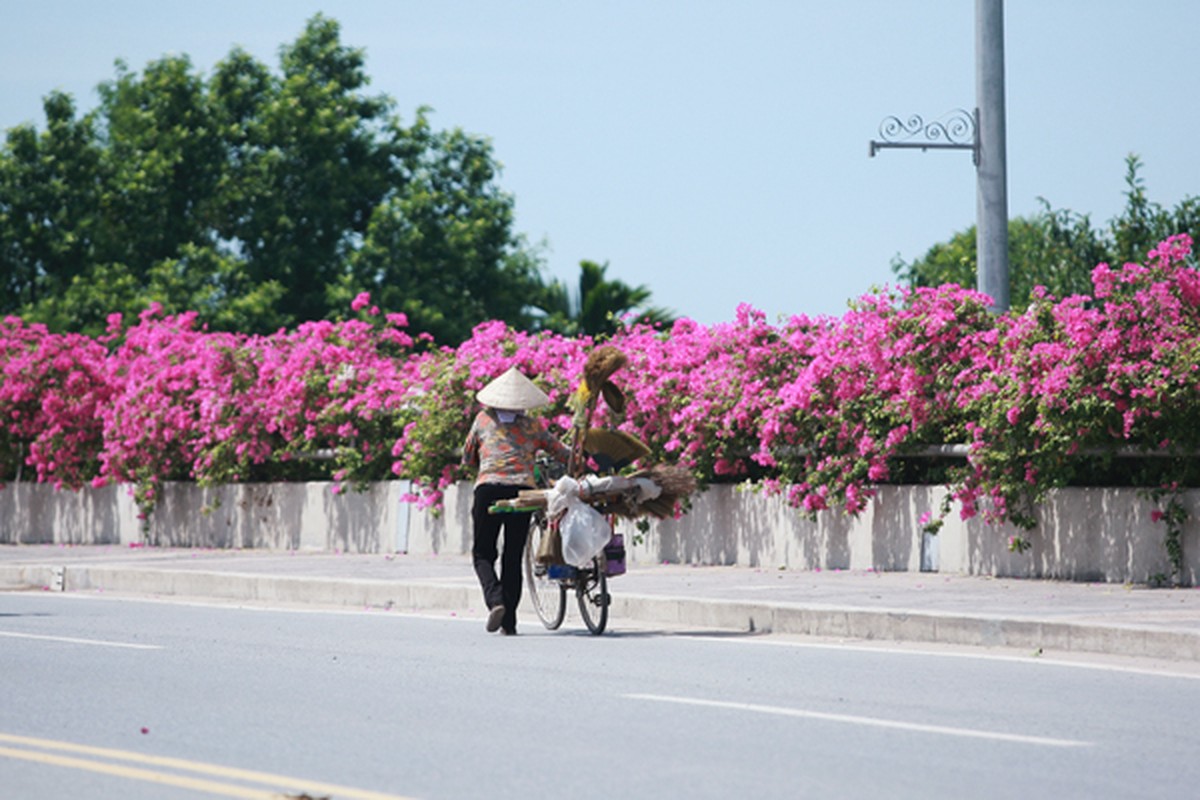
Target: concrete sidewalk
{"points": [[892, 606]]}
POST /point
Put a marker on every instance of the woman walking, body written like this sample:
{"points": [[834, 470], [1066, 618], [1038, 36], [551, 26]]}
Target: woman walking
{"points": [[502, 445]]}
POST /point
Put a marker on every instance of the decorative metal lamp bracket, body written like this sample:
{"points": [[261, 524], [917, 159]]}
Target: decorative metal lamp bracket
{"points": [[955, 130]]}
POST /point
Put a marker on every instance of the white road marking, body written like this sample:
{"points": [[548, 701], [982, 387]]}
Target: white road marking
{"points": [[72, 640], [915, 727], [471, 613]]}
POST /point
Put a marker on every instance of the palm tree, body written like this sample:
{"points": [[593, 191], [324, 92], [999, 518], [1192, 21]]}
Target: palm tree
{"points": [[599, 306]]}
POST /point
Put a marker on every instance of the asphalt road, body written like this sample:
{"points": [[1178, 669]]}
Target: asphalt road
{"points": [[107, 698]]}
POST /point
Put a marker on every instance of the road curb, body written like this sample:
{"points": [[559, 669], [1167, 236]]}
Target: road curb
{"points": [[911, 626], [247, 587], [897, 625]]}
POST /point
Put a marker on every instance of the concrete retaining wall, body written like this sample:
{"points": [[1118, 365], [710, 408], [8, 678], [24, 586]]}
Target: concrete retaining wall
{"points": [[34, 513], [274, 516], [1085, 534]]}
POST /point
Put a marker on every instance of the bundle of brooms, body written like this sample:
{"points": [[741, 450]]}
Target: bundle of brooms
{"points": [[674, 482], [601, 364]]}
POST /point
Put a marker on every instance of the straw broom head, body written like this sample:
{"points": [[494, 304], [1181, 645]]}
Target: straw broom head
{"points": [[661, 507], [601, 364], [673, 479], [614, 398], [676, 484], [619, 446]]}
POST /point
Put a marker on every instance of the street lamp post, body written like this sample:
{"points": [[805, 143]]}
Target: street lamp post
{"points": [[983, 133], [991, 230]]}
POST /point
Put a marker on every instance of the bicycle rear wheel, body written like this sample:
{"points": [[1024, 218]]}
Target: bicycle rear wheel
{"points": [[549, 596], [591, 589]]}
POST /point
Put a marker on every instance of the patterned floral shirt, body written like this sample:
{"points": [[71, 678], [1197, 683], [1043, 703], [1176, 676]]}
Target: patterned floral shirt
{"points": [[505, 452]]}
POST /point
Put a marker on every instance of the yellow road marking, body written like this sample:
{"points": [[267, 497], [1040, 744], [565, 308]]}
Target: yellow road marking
{"points": [[216, 770], [136, 773]]}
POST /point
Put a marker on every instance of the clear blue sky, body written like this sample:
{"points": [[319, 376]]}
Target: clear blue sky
{"points": [[714, 151]]}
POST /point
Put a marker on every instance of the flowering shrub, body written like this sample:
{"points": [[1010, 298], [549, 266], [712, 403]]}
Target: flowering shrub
{"points": [[171, 388], [330, 388], [822, 410], [1087, 375], [879, 382], [213, 407], [52, 389], [696, 395]]}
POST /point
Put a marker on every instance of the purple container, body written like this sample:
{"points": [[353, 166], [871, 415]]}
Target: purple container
{"points": [[614, 556]]}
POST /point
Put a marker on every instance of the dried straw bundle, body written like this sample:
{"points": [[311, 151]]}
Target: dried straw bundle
{"points": [[614, 449], [674, 479], [661, 507], [676, 484], [527, 499], [614, 398], [601, 364], [531, 497]]}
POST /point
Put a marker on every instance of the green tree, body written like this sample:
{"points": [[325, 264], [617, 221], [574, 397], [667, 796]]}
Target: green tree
{"points": [[1144, 223], [163, 166], [1058, 249], [49, 204], [441, 251], [598, 306], [311, 157], [258, 200]]}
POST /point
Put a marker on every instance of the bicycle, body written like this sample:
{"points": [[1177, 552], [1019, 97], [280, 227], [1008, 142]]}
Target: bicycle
{"points": [[548, 580], [548, 583]]}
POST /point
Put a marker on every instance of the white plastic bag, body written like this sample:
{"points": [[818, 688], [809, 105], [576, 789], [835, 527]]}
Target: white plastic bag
{"points": [[584, 531], [565, 490]]}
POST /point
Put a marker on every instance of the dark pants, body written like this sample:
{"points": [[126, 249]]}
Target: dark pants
{"points": [[505, 590]]}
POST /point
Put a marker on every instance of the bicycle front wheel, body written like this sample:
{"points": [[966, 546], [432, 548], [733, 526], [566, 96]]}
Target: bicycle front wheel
{"points": [[591, 590], [549, 596]]}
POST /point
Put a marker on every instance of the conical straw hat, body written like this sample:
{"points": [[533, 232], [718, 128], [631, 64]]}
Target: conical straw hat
{"points": [[512, 391]]}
